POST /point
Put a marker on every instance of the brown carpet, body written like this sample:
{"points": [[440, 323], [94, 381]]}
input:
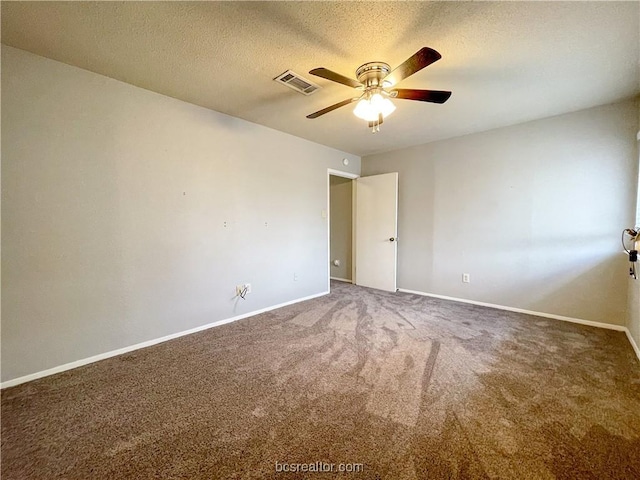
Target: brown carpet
{"points": [[410, 387]]}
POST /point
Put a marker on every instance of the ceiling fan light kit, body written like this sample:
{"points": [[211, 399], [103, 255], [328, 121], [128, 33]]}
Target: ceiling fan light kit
{"points": [[375, 78], [369, 107]]}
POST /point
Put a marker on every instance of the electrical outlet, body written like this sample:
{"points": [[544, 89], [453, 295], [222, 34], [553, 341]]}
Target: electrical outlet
{"points": [[239, 289], [248, 287], [466, 278]]}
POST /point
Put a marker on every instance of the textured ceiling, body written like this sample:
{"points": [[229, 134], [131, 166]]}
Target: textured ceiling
{"points": [[506, 62]]}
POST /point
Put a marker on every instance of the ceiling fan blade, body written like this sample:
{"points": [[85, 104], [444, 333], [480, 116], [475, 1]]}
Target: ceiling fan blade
{"points": [[335, 77], [434, 96], [331, 108], [422, 58]]}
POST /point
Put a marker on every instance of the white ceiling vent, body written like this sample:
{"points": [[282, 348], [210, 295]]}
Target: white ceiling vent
{"points": [[295, 81]]}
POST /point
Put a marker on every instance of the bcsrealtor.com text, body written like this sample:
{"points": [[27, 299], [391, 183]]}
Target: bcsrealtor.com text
{"points": [[319, 467]]}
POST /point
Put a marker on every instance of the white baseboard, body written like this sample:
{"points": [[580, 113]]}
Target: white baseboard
{"points": [[341, 279], [633, 343], [120, 351], [148, 343], [590, 323]]}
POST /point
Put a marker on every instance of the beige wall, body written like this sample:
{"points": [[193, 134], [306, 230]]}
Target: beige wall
{"points": [[341, 201], [128, 215], [532, 212]]}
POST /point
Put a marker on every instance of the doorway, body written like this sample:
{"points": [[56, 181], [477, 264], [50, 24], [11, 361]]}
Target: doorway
{"points": [[341, 228], [362, 227]]}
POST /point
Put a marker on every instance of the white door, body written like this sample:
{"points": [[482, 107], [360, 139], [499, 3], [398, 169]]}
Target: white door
{"points": [[376, 231]]}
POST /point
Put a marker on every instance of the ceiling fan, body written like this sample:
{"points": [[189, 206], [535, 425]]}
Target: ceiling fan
{"points": [[375, 78]]}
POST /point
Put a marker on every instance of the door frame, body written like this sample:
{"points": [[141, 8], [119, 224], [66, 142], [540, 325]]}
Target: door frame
{"points": [[352, 176]]}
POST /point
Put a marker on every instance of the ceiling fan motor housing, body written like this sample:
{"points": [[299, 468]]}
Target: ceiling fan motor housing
{"points": [[371, 74]]}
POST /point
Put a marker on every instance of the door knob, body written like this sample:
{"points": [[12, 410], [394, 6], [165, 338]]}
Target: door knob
{"points": [[392, 239]]}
